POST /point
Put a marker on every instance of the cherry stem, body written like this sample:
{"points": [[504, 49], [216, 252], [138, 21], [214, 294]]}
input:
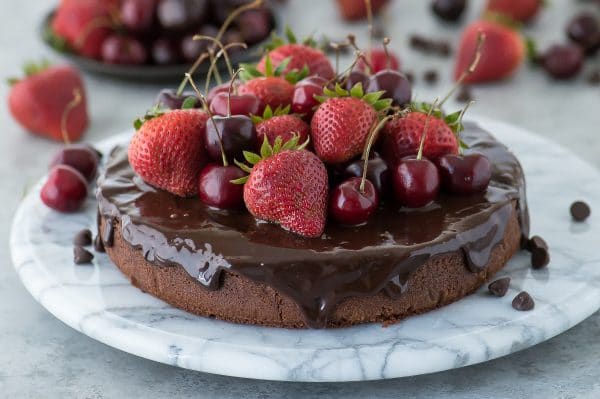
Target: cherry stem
{"points": [[233, 79], [352, 42], [210, 116], [370, 22], [388, 61], [358, 55], [193, 68], [460, 119], [336, 48], [470, 69], [220, 44], [367, 151], [77, 98], [424, 137]]}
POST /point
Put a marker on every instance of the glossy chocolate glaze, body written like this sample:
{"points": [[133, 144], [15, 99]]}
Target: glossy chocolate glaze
{"points": [[316, 273]]}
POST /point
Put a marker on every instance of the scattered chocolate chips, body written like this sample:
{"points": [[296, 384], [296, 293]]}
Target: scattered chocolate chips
{"points": [[594, 78], [523, 301], [82, 256], [83, 238], [580, 211], [410, 76], [536, 242], [464, 95], [431, 76], [499, 287], [540, 257], [98, 244], [430, 46]]}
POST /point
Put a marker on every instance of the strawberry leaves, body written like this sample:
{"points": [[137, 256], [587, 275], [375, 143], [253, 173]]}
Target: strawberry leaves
{"points": [[270, 113], [290, 38], [374, 99], [453, 120], [152, 113], [251, 72], [31, 69]]}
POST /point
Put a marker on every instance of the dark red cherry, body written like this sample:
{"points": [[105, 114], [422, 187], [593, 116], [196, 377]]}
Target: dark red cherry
{"points": [[171, 100], [179, 15], [584, 29], [254, 25], [304, 101], [165, 52], [395, 85], [138, 15], [378, 173], [241, 104], [355, 77], [563, 61], [448, 10], [238, 134], [378, 59], [465, 175], [125, 50], [349, 205], [80, 157], [65, 190], [416, 182], [216, 189]]}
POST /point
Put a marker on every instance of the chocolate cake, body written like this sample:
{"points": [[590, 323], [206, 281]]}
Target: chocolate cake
{"points": [[228, 265]]}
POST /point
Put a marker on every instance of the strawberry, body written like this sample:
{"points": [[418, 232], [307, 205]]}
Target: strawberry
{"points": [[517, 10], [83, 25], [501, 54], [167, 152], [288, 186], [300, 55], [46, 95], [402, 136], [353, 10], [280, 123], [341, 124]]}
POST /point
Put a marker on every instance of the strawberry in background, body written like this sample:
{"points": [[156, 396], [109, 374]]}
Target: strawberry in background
{"points": [[47, 95], [517, 10], [354, 10]]}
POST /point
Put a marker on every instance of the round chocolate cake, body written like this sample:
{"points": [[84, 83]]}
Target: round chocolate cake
{"points": [[228, 265]]}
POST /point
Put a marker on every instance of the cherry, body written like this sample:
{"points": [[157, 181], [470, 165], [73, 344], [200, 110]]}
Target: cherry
{"points": [[222, 88], [215, 187], [164, 52], [171, 100], [350, 204], [378, 59], [65, 190], [138, 15], [465, 175], [416, 182], [118, 49], [237, 134], [241, 104], [395, 84], [448, 10], [192, 49], [254, 25], [80, 157], [304, 101], [584, 29], [378, 173], [355, 77], [180, 15], [563, 61]]}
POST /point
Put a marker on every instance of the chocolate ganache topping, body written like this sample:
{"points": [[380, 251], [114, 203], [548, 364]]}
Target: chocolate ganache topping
{"points": [[316, 273]]}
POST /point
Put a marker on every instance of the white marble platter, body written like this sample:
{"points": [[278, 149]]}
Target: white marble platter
{"points": [[98, 301]]}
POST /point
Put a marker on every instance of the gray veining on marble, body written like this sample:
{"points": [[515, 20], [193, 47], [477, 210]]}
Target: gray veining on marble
{"points": [[42, 357]]}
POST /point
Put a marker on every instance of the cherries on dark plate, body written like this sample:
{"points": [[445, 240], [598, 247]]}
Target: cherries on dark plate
{"points": [[254, 25], [80, 157], [355, 77], [241, 104], [416, 182], [584, 29], [138, 15], [118, 49], [215, 188], [170, 99], [350, 205], [180, 15], [165, 52], [395, 84], [65, 190], [379, 61], [237, 134], [465, 175], [378, 173], [448, 10], [304, 101], [563, 61]]}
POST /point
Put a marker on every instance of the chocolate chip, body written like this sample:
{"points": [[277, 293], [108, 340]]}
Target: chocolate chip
{"points": [[580, 211], [536, 242], [594, 78], [430, 46], [82, 256], [410, 76], [499, 287], [83, 238], [540, 257], [523, 301], [430, 76], [464, 95], [98, 244]]}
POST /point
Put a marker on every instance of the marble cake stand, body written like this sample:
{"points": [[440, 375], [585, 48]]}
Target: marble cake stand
{"points": [[98, 301]]}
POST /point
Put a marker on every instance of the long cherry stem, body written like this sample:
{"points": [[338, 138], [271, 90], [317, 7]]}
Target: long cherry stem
{"points": [[233, 79], [370, 22], [367, 151], [77, 98], [424, 136]]}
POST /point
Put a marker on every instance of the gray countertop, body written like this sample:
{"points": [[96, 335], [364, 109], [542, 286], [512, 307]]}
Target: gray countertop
{"points": [[41, 357]]}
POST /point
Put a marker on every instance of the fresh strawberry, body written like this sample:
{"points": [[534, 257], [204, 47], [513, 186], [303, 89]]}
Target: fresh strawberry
{"points": [[84, 25], [280, 123], [517, 10], [167, 150], [46, 95], [288, 186], [341, 124], [501, 54], [353, 10], [402, 136], [300, 55]]}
